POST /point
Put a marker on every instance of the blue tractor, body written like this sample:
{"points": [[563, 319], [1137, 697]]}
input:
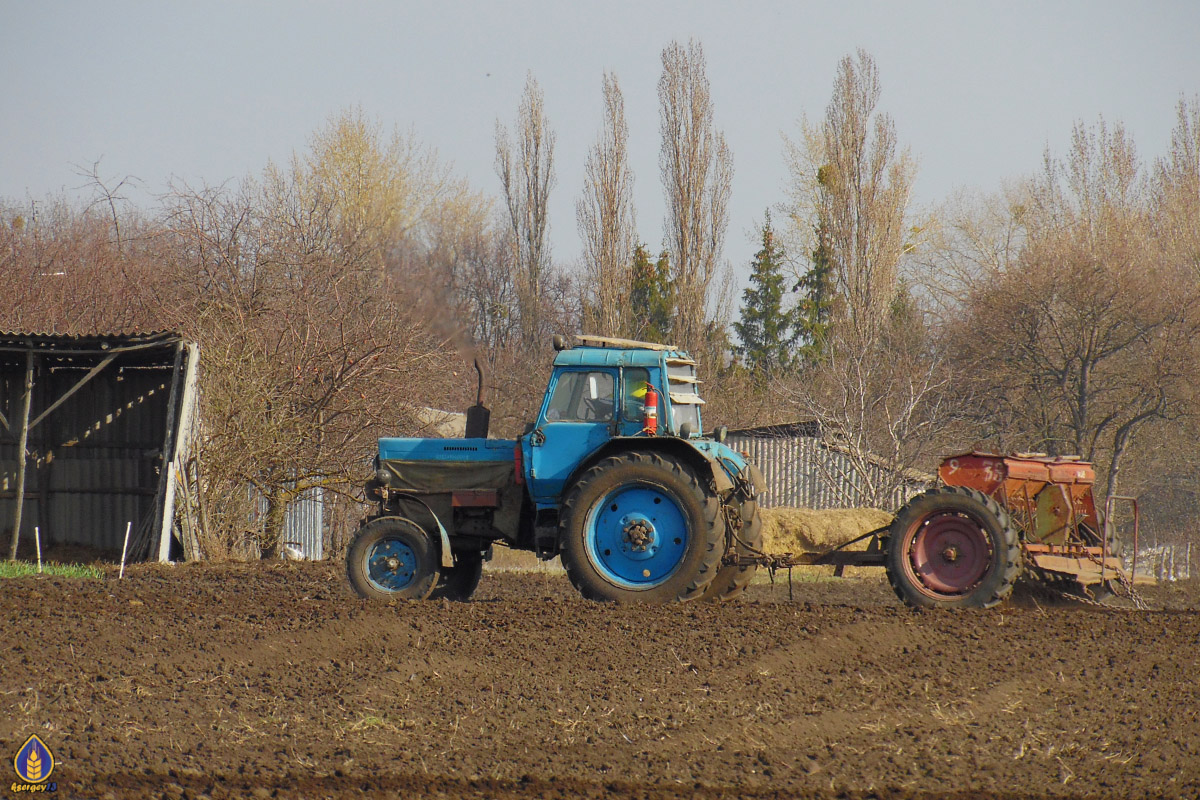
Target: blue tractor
{"points": [[615, 477]]}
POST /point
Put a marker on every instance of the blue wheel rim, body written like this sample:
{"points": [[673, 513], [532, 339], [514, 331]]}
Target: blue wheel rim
{"points": [[391, 565], [636, 536]]}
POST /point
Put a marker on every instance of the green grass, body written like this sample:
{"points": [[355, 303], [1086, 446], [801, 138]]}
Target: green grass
{"points": [[19, 569]]}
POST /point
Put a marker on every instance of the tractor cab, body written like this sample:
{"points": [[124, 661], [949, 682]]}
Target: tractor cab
{"points": [[605, 389]]}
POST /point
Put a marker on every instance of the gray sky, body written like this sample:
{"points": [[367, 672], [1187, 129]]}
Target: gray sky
{"points": [[208, 92]]}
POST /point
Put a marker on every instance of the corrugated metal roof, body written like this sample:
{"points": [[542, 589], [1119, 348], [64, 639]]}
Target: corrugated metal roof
{"points": [[132, 335], [150, 348]]}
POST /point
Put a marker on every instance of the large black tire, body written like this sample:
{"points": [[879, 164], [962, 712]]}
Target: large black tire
{"points": [[732, 580], [459, 582], [392, 558], [682, 521], [953, 547]]}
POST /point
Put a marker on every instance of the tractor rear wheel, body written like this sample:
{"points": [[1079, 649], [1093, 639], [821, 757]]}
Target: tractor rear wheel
{"points": [[953, 547], [459, 582], [392, 558], [731, 579], [641, 527]]}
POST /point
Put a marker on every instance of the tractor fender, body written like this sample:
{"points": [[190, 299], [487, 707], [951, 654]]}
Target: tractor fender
{"points": [[711, 460], [447, 558]]}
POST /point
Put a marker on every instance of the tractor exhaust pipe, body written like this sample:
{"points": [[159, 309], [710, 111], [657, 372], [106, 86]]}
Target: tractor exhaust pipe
{"points": [[478, 415]]}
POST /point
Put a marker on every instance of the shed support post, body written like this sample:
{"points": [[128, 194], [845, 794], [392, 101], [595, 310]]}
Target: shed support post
{"points": [[22, 444], [164, 505]]}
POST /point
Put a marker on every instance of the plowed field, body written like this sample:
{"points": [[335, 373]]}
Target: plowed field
{"points": [[259, 681]]}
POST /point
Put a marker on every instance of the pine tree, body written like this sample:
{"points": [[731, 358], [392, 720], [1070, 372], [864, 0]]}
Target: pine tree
{"points": [[814, 312], [652, 298], [768, 332]]}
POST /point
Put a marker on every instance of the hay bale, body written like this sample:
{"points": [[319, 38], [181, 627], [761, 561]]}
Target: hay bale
{"points": [[804, 530]]}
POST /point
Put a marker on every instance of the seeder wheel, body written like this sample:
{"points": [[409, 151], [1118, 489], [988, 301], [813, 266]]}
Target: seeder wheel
{"points": [[953, 547]]}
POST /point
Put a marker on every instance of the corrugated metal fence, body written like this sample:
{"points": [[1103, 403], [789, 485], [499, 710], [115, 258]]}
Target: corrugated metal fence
{"points": [[803, 472], [304, 524]]}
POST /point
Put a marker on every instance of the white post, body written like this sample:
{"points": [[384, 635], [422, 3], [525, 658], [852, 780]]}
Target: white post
{"points": [[37, 539], [187, 411], [124, 547]]}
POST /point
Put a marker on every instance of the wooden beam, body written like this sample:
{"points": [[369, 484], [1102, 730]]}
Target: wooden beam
{"points": [[22, 444], [93, 372]]}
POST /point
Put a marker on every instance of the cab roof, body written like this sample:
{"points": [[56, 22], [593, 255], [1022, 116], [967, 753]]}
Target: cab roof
{"points": [[603, 351]]}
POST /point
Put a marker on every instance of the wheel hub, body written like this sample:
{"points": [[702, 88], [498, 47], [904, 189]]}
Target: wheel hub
{"points": [[636, 536], [391, 565], [949, 554], [639, 533]]}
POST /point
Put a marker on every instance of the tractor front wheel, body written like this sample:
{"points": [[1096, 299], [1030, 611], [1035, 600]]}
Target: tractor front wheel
{"points": [[392, 558], [641, 527], [953, 547]]}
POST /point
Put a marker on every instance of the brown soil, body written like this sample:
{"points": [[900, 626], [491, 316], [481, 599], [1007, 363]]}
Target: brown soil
{"points": [[257, 681]]}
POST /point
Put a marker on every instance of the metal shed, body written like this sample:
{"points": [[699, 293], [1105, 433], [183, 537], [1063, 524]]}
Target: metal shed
{"points": [[102, 421], [803, 471]]}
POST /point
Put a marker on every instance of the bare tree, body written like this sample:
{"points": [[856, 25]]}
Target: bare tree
{"points": [[850, 183], [1177, 190], [108, 195], [382, 194], [607, 222], [526, 170], [314, 343], [697, 175], [62, 269], [1085, 337], [485, 286], [309, 353], [883, 401], [971, 236]]}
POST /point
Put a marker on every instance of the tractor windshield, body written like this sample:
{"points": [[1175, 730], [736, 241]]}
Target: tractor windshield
{"points": [[582, 397]]}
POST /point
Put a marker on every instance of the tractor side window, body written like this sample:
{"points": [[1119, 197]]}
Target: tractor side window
{"points": [[633, 393], [582, 397]]}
